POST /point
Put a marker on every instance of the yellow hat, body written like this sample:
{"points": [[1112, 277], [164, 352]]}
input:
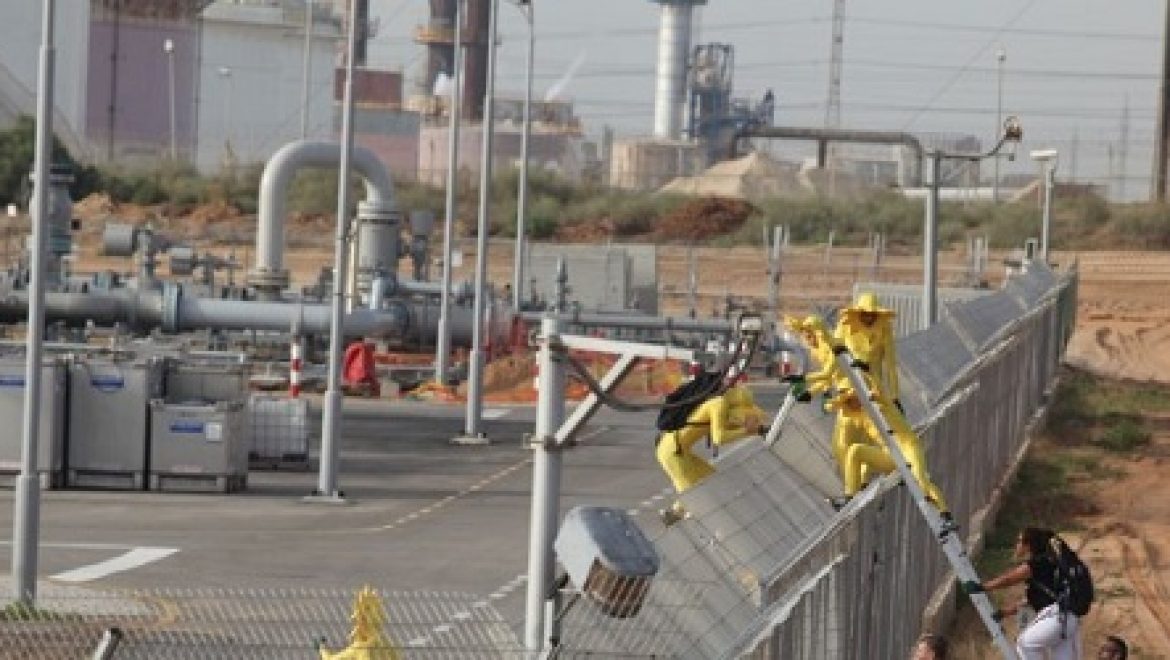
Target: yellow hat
{"points": [[867, 303]]}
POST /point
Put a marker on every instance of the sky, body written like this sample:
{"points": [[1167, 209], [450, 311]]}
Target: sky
{"points": [[1071, 67]]}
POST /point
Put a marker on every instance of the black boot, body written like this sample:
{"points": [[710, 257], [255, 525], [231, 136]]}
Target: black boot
{"points": [[839, 501]]}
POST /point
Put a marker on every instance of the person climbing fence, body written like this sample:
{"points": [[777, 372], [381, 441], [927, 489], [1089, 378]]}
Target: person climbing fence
{"points": [[866, 330], [722, 418]]}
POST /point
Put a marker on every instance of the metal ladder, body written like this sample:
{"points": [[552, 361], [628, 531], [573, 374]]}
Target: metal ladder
{"points": [[952, 545]]}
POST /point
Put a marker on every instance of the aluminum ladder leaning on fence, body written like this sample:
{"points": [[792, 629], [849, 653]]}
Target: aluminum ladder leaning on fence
{"points": [[952, 544]]}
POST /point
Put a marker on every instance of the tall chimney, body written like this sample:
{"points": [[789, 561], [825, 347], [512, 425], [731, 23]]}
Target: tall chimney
{"points": [[674, 46]]}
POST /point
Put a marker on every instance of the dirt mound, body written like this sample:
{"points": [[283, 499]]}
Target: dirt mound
{"points": [[702, 219], [215, 211], [753, 177]]}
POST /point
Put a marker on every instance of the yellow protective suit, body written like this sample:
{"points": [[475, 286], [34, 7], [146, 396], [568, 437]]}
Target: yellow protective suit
{"points": [[731, 416], [866, 329], [367, 640], [852, 425]]}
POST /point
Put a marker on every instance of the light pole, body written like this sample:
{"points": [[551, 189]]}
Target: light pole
{"points": [[1010, 138], [306, 69], [1000, 57], [169, 49], [1048, 159], [327, 489], [454, 111], [472, 433], [225, 74], [27, 495], [525, 6]]}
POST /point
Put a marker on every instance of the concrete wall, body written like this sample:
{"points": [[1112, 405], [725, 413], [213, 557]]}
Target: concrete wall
{"points": [[256, 108], [127, 108], [20, 32], [391, 134]]}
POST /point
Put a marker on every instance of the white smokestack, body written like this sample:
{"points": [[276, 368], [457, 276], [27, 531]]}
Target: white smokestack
{"points": [[674, 46]]}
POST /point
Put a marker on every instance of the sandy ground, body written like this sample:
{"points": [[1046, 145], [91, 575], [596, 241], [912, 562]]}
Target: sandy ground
{"points": [[1123, 331]]}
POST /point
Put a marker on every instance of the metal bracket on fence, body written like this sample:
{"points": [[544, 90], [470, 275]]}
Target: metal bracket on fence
{"points": [[108, 644]]}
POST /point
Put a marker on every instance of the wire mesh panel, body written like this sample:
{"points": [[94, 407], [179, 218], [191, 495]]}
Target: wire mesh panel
{"points": [[932, 358], [261, 624], [884, 566], [980, 320]]}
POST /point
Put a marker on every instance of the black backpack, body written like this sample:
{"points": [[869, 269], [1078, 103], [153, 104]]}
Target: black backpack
{"points": [[1074, 583], [694, 392]]}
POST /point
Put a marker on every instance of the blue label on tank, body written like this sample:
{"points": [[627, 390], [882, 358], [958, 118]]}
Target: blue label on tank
{"points": [[107, 383], [186, 426], [11, 381]]}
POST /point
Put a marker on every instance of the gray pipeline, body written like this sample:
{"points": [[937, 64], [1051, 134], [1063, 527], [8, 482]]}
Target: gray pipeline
{"points": [[414, 320]]}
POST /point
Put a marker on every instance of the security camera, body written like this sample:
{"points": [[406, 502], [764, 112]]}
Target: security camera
{"points": [[1043, 155]]}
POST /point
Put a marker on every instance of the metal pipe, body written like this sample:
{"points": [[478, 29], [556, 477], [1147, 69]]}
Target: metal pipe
{"points": [[180, 314], [1049, 187], [306, 69], [522, 201], [546, 486], [443, 342], [26, 503], [674, 45], [476, 358], [930, 242], [718, 326], [270, 274], [824, 135], [331, 415], [378, 248]]}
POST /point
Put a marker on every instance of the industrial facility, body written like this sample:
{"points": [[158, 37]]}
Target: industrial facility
{"points": [[352, 430]]}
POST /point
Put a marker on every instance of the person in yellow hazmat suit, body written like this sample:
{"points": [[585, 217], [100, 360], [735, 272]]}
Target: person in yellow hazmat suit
{"points": [[367, 639], [866, 329], [853, 426], [723, 419]]}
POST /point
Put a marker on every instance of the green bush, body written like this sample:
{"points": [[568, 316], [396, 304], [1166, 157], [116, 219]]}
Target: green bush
{"points": [[1123, 434]]}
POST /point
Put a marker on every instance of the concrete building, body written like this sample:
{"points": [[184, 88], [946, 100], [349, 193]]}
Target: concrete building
{"points": [[250, 79], [235, 66], [112, 75], [555, 143], [379, 122]]}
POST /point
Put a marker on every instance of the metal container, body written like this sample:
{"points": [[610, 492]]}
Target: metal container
{"points": [[108, 430], [280, 432], [197, 383], [51, 428], [198, 447], [608, 557]]}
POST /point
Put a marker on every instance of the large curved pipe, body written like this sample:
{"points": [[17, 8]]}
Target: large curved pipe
{"points": [[269, 273]]}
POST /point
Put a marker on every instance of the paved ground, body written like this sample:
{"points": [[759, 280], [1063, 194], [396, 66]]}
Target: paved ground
{"points": [[423, 514]]}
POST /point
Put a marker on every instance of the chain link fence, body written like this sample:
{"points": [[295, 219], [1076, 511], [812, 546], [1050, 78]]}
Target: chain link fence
{"points": [[251, 624], [765, 568], [762, 567]]}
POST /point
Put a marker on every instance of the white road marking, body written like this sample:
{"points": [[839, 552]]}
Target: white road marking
{"points": [[131, 559], [495, 413]]}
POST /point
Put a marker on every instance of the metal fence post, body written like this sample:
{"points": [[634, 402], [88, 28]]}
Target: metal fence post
{"points": [[930, 243], [546, 486]]}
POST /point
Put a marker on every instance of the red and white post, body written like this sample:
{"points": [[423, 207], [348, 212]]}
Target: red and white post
{"points": [[295, 365]]}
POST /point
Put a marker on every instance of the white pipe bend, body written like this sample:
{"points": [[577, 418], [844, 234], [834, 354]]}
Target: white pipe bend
{"points": [[278, 176]]}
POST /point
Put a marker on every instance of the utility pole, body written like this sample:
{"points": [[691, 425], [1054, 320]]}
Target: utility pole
{"points": [[833, 104], [306, 69], [1123, 151], [1074, 152], [1162, 148]]}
